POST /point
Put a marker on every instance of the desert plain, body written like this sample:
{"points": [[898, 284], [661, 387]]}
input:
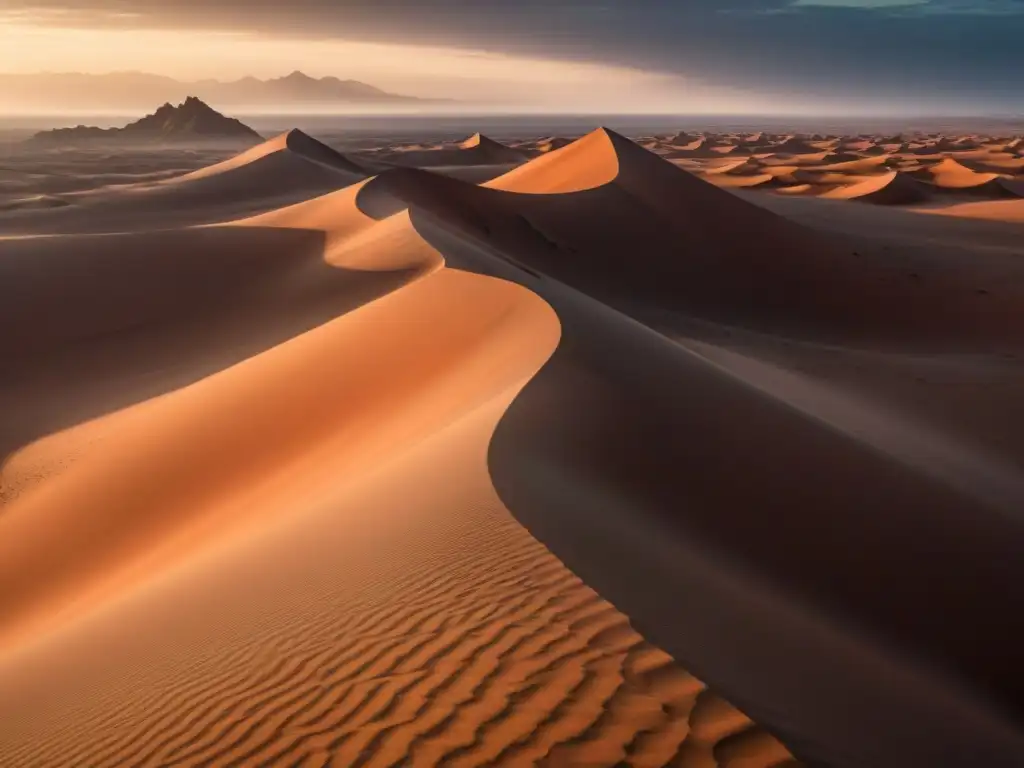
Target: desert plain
{"points": [[693, 449]]}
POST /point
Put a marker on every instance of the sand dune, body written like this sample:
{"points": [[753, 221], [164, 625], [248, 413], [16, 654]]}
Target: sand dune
{"points": [[553, 142], [860, 165], [949, 174], [290, 167], [682, 138], [294, 150], [490, 151], [798, 159], [995, 162], [796, 146], [728, 180], [1012, 187], [894, 188], [334, 480], [852, 168], [702, 148], [858, 145], [475, 150], [221, 494], [727, 165], [682, 236]]}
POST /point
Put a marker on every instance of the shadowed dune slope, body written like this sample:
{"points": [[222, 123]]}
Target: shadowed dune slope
{"points": [[297, 146], [713, 168], [728, 484], [702, 149], [675, 517], [552, 143], [129, 317], [862, 165], [582, 212], [796, 146], [950, 176], [1012, 187], [894, 188], [491, 151], [732, 181]]}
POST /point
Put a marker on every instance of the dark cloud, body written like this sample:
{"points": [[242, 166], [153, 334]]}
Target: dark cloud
{"points": [[964, 52]]}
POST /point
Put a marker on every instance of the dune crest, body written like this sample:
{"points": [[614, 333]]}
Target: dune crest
{"points": [[951, 175], [294, 144], [588, 162], [893, 188]]}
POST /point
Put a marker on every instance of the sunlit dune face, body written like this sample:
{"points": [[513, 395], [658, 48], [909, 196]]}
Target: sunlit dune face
{"points": [[55, 43]]}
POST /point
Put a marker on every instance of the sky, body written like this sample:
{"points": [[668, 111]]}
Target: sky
{"points": [[939, 57]]}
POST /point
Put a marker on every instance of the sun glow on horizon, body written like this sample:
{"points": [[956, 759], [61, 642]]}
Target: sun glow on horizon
{"points": [[31, 46]]}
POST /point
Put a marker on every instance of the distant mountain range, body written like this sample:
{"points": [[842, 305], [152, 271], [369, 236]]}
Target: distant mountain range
{"points": [[138, 90], [191, 121]]}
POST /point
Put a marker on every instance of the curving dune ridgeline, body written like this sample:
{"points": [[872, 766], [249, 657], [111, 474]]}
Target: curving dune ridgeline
{"points": [[592, 464]]}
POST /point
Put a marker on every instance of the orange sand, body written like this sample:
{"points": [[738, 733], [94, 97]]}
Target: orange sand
{"points": [[407, 470]]}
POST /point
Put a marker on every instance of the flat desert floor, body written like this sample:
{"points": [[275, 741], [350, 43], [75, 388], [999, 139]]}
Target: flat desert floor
{"points": [[684, 450]]}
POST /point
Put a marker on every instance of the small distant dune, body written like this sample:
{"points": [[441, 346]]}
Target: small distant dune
{"points": [[951, 176], [552, 143], [796, 146], [894, 188], [475, 150]]}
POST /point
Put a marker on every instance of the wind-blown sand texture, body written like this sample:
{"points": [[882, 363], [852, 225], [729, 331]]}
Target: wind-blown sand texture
{"points": [[405, 470]]}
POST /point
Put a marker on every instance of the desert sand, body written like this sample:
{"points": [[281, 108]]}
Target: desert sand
{"points": [[587, 452]]}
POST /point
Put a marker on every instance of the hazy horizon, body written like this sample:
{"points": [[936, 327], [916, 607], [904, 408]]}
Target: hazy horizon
{"points": [[504, 126], [796, 57]]}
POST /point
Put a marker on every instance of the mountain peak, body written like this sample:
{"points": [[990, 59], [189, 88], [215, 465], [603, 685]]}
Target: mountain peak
{"points": [[193, 105], [191, 120]]}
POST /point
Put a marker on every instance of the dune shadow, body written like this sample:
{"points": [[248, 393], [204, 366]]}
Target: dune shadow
{"points": [[100, 323], [146, 209], [803, 573], [377, 199], [861, 608], [671, 251]]}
